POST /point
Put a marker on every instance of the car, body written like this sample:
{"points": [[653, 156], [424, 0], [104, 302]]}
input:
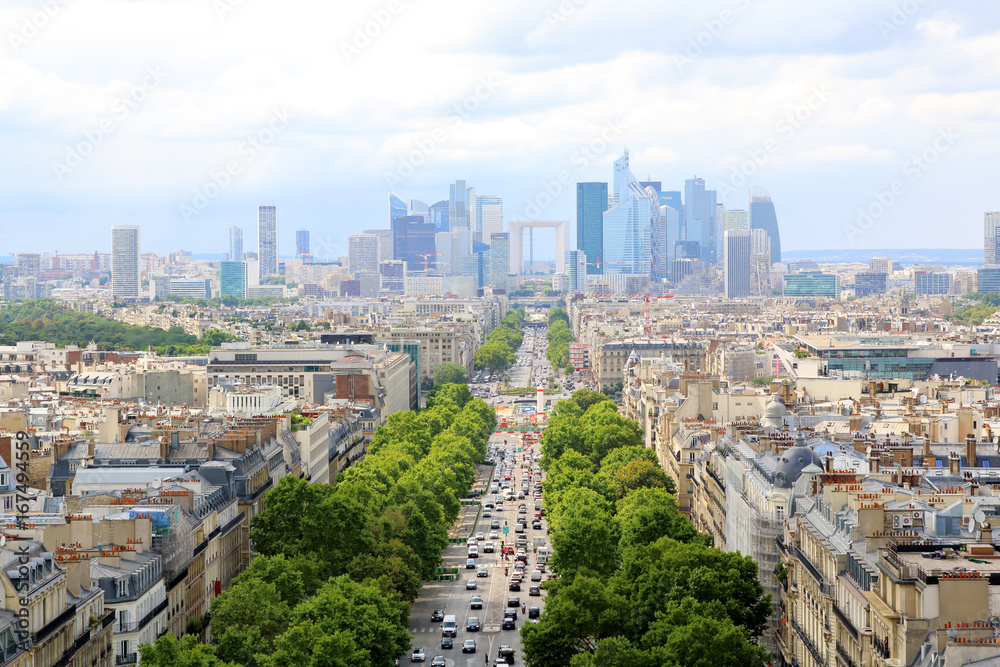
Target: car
{"points": [[495, 524], [536, 575], [494, 535], [447, 642], [469, 646], [508, 624], [536, 525], [470, 585], [437, 616], [476, 603], [438, 661], [514, 586], [534, 612], [479, 537], [417, 654], [512, 613], [472, 625], [482, 571], [513, 601], [488, 547], [534, 591], [487, 513], [470, 564], [519, 528], [506, 652]]}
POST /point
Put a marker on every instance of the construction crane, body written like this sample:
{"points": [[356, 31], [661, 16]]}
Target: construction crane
{"points": [[427, 261], [646, 327]]}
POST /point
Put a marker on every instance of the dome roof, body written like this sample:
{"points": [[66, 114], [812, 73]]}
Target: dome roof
{"points": [[793, 461]]}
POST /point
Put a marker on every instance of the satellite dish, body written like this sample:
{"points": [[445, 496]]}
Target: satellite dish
{"points": [[972, 524], [157, 482], [3, 540], [980, 516]]}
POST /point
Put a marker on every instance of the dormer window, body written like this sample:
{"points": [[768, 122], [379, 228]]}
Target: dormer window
{"points": [[122, 588]]}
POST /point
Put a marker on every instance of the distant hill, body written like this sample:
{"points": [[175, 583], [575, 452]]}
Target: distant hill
{"points": [[904, 256]]}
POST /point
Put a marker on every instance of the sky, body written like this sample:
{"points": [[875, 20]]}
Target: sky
{"points": [[871, 124]]}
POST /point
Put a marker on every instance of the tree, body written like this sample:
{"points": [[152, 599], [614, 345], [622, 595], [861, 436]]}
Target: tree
{"points": [[618, 458], [168, 651], [585, 534], [247, 619], [586, 398], [642, 474], [647, 514], [309, 644], [449, 373], [457, 394], [689, 634]]}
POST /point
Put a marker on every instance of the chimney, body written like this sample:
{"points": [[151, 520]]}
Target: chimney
{"points": [[928, 456], [164, 448], [986, 533], [873, 461], [970, 450], [828, 462], [954, 463]]}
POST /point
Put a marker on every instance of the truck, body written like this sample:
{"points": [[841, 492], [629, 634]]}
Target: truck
{"points": [[538, 543]]}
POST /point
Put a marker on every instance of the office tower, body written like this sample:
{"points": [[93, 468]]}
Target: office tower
{"points": [[931, 282], [869, 283], [233, 279], [682, 268], [451, 248], [397, 207], [628, 224], [591, 203], [880, 265], [699, 218], [267, 241], [235, 244], [417, 207], [392, 276], [657, 271], [413, 242], [489, 216], [302, 246], [362, 253], [29, 265], [812, 284], [736, 263], [760, 261], [991, 238], [762, 216], [384, 243], [670, 234], [736, 220], [458, 206], [438, 214], [576, 272], [125, 262], [499, 259]]}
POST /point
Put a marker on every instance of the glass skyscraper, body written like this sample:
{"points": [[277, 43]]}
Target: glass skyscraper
{"points": [[267, 240], [762, 216], [235, 244], [302, 245], [438, 214], [489, 217], [233, 279], [499, 259], [125, 261], [591, 203], [397, 207], [412, 238], [699, 218], [458, 206], [629, 224]]}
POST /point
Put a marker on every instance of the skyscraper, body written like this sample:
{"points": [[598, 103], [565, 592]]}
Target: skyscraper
{"points": [[489, 216], [397, 207], [762, 216], [670, 234], [438, 214], [591, 203], [384, 243], [267, 241], [699, 218], [125, 281], [233, 279], [413, 242], [629, 223], [736, 263], [760, 262], [576, 272], [884, 264], [458, 206], [499, 259], [362, 253], [235, 244], [991, 238], [302, 246]]}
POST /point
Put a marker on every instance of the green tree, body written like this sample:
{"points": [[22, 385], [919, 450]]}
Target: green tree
{"points": [[309, 644], [449, 373], [247, 619], [647, 514], [168, 651], [640, 475], [585, 534], [688, 634]]}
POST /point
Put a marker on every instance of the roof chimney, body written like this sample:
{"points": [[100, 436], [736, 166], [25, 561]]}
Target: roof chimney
{"points": [[970, 450], [954, 463]]}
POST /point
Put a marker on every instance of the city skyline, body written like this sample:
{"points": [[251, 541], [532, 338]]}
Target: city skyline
{"points": [[825, 112]]}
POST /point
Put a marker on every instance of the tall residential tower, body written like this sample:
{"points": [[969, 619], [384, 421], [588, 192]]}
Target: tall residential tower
{"points": [[267, 241], [125, 281]]}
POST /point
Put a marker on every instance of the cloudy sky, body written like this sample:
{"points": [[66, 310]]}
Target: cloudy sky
{"points": [[183, 115]]}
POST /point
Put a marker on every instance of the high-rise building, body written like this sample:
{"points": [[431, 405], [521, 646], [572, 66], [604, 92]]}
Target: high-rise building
{"points": [[451, 248], [699, 218], [233, 279], [931, 282], [362, 253], [384, 243], [235, 244], [499, 259], [991, 238], [881, 265], [125, 280], [489, 216], [438, 214], [458, 206], [29, 265], [392, 276], [869, 283], [576, 272], [670, 234], [267, 241], [736, 247], [988, 280], [760, 262], [413, 242], [812, 284], [629, 224], [762, 216], [736, 220], [591, 203], [397, 207], [302, 246]]}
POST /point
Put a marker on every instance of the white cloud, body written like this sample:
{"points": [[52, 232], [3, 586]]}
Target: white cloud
{"points": [[854, 153]]}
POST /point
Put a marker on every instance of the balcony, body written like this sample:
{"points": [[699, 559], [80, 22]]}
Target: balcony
{"points": [[842, 652], [814, 571], [808, 643], [127, 659], [139, 625], [55, 624], [844, 621]]}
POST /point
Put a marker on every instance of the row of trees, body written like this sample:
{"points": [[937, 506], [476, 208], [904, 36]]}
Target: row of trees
{"points": [[559, 335], [339, 566], [638, 586], [978, 307], [499, 350], [50, 321]]}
